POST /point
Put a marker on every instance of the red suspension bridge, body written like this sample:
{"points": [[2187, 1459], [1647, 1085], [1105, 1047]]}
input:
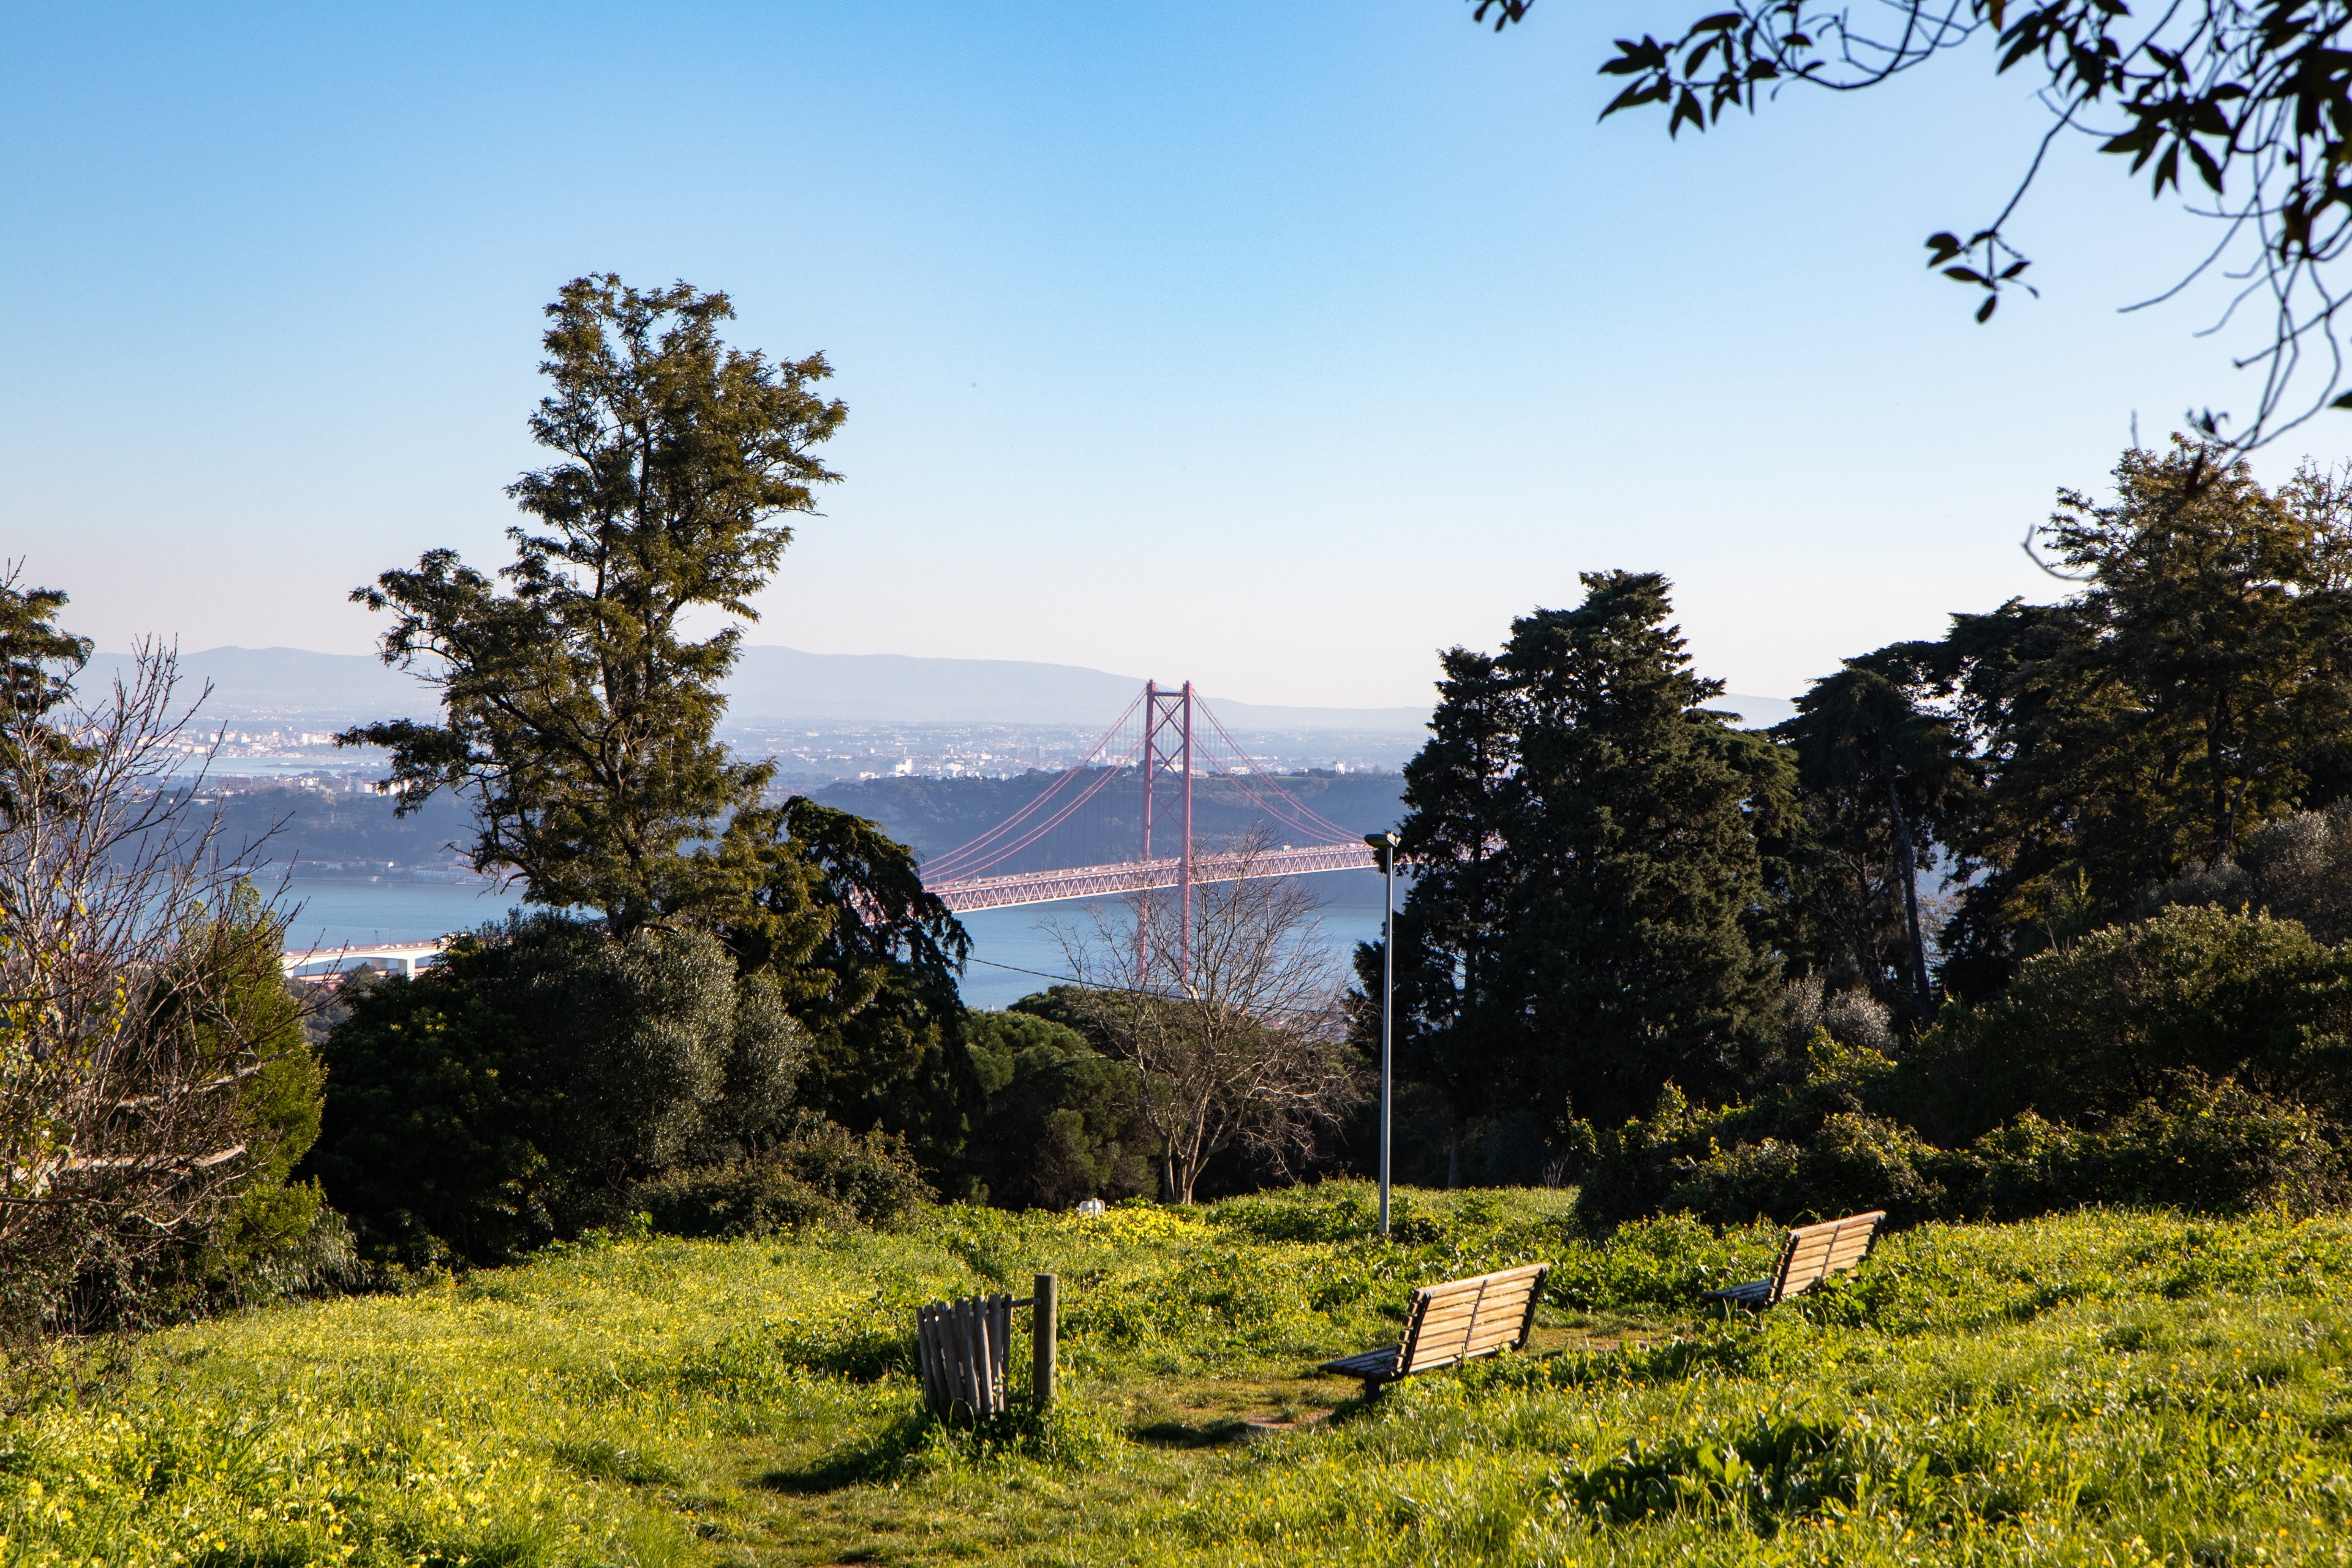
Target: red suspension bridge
{"points": [[1165, 739]]}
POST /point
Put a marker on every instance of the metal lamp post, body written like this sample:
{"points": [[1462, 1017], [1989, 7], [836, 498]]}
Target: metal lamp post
{"points": [[1384, 846]]}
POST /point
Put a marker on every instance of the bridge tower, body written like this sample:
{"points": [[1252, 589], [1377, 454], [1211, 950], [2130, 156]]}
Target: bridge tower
{"points": [[1168, 748]]}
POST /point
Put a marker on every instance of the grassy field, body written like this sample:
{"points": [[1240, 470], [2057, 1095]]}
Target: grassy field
{"points": [[2104, 1388]]}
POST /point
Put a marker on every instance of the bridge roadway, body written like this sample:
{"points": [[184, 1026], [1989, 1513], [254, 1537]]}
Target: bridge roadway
{"points": [[1132, 876]]}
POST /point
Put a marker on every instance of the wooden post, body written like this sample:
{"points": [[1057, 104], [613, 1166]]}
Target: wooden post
{"points": [[1045, 1328]]}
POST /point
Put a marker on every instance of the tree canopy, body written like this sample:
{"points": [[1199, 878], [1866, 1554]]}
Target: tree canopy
{"points": [[577, 713], [1586, 835]]}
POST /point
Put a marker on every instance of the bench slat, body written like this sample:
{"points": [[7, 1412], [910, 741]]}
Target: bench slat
{"points": [[1455, 1321], [1811, 1254], [1507, 1310], [1500, 1302], [1754, 1290]]}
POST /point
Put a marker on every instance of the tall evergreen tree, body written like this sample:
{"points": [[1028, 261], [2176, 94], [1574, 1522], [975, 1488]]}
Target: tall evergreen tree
{"points": [[868, 960], [37, 664], [1588, 881], [577, 714], [1638, 874], [1882, 779], [1453, 1027]]}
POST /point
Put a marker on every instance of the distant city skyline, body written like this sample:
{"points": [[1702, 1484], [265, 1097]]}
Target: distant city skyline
{"points": [[1274, 347]]}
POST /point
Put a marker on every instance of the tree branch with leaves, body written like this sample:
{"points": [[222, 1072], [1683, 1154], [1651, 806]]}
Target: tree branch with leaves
{"points": [[2251, 99], [578, 715]]}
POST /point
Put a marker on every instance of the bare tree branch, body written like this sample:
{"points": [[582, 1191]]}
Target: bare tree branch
{"points": [[121, 1048], [1236, 1033]]}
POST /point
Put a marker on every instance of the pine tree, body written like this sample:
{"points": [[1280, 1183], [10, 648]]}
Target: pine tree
{"points": [[1448, 1033], [1636, 876], [576, 714]]}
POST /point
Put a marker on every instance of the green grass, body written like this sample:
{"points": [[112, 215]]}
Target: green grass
{"points": [[2101, 1388]]}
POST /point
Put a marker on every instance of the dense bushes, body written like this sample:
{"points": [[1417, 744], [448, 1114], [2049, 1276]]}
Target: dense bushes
{"points": [[2093, 1031], [221, 996], [2197, 1059], [2203, 1145], [522, 1090], [818, 1174], [547, 1078]]}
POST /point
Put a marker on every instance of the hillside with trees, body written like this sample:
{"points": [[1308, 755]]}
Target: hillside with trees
{"points": [[2047, 910], [2042, 911]]}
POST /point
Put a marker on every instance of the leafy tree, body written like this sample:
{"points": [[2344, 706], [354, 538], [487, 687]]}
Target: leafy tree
{"points": [[2227, 607], [867, 961], [2249, 98], [1062, 1120], [1626, 951], [522, 1087], [2297, 869], [577, 715], [1881, 781], [2193, 689]]}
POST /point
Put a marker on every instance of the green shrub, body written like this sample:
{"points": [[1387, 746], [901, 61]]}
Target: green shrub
{"points": [[1854, 1162], [749, 1198], [1813, 1151], [1061, 1122], [2100, 1027], [224, 993], [820, 1174], [518, 1091], [2216, 1147]]}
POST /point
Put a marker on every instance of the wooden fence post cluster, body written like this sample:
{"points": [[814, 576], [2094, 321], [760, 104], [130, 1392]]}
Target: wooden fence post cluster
{"points": [[964, 1347]]}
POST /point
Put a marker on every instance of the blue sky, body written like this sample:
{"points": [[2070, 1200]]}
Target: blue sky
{"points": [[1272, 346]]}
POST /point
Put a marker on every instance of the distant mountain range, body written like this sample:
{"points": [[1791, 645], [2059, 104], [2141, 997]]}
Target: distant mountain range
{"points": [[782, 685]]}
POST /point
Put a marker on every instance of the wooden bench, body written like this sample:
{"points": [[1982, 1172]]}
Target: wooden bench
{"points": [[1451, 1323], [1812, 1254]]}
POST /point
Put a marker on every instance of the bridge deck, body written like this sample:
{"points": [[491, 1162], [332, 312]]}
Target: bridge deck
{"points": [[1134, 876]]}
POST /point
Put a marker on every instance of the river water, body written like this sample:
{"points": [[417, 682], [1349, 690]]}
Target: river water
{"points": [[1013, 951]]}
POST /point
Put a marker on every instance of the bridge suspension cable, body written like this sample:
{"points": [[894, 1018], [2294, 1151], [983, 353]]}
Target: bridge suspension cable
{"points": [[974, 858], [1165, 744]]}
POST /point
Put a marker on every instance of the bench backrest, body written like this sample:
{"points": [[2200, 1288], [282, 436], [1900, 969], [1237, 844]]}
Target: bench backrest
{"points": [[1814, 1252], [1464, 1318]]}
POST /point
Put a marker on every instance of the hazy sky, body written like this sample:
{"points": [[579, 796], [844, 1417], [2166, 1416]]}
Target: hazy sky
{"points": [[1275, 346]]}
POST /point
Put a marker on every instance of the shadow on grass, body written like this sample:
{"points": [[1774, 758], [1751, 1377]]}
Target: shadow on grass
{"points": [[877, 1460], [1178, 1434]]}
